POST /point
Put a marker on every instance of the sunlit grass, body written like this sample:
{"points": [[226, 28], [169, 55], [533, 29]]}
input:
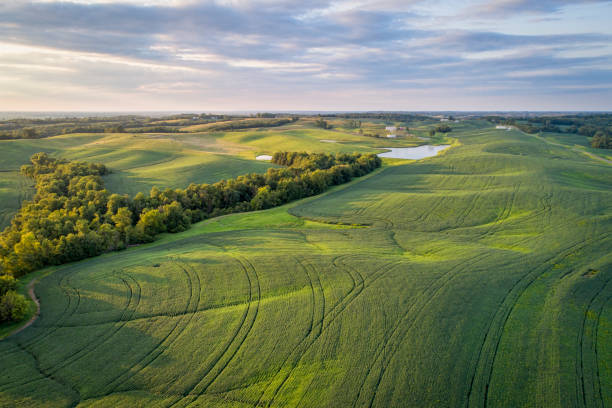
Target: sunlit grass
{"points": [[465, 279]]}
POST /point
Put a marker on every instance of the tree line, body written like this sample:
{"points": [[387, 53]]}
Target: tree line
{"points": [[597, 127], [72, 216], [443, 129], [390, 117], [248, 124], [41, 128], [323, 124]]}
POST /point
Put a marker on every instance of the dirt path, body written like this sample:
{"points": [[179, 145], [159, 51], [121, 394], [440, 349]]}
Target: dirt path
{"points": [[33, 319]]}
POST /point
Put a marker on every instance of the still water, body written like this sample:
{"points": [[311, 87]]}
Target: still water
{"points": [[414, 153]]}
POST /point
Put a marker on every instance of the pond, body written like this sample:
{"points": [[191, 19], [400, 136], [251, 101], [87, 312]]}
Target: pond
{"points": [[414, 153]]}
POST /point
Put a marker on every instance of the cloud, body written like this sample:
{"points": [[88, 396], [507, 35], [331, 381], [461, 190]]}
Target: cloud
{"points": [[505, 7], [205, 53]]}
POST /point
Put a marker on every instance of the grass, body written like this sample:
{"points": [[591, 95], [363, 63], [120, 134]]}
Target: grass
{"points": [[577, 141], [460, 280], [141, 161], [14, 188]]}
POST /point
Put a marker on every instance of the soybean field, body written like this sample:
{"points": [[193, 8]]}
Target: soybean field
{"points": [[481, 277]]}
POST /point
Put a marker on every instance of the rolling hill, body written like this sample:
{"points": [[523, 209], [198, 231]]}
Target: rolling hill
{"points": [[480, 277]]}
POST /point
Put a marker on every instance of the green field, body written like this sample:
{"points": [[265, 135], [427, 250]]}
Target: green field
{"points": [[141, 161], [481, 277], [14, 188]]}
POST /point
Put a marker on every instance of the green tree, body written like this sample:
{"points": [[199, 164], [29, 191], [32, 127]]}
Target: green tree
{"points": [[601, 140], [28, 254], [7, 283], [322, 124], [28, 133], [263, 199], [151, 223], [123, 222], [13, 306], [73, 217], [175, 218]]}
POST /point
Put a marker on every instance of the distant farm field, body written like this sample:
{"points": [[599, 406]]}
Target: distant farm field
{"points": [[479, 278], [173, 160]]}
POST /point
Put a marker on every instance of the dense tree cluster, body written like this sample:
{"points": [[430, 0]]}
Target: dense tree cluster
{"points": [[13, 306], [443, 129], [377, 135], [598, 127], [73, 217], [602, 140], [23, 133], [321, 123], [352, 124]]}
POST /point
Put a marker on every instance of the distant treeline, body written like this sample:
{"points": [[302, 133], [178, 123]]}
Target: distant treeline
{"points": [[598, 127], [41, 128], [42, 132], [24, 129], [24, 133], [248, 124], [386, 116], [72, 215]]}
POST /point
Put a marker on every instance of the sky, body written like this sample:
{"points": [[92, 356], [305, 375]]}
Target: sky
{"points": [[288, 55]]}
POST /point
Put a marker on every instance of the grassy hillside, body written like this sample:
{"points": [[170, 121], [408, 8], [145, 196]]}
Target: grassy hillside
{"points": [[14, 188], [481, 277], [141, 161]]}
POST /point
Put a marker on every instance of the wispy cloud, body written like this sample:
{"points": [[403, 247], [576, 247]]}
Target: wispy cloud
{"points": [[264, 54], [501, 8]]}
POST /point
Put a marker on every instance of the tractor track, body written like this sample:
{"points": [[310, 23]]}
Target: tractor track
{"points": [[150, 355], [134, 294], [596, 346], [226, 356], [67, 312], [184, 320], [306, 335], [339, 307], [580, 366], [481, 381], [415, 310]]}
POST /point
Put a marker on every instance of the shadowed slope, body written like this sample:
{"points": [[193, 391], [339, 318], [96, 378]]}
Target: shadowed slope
{"points": [[483, 279]]}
